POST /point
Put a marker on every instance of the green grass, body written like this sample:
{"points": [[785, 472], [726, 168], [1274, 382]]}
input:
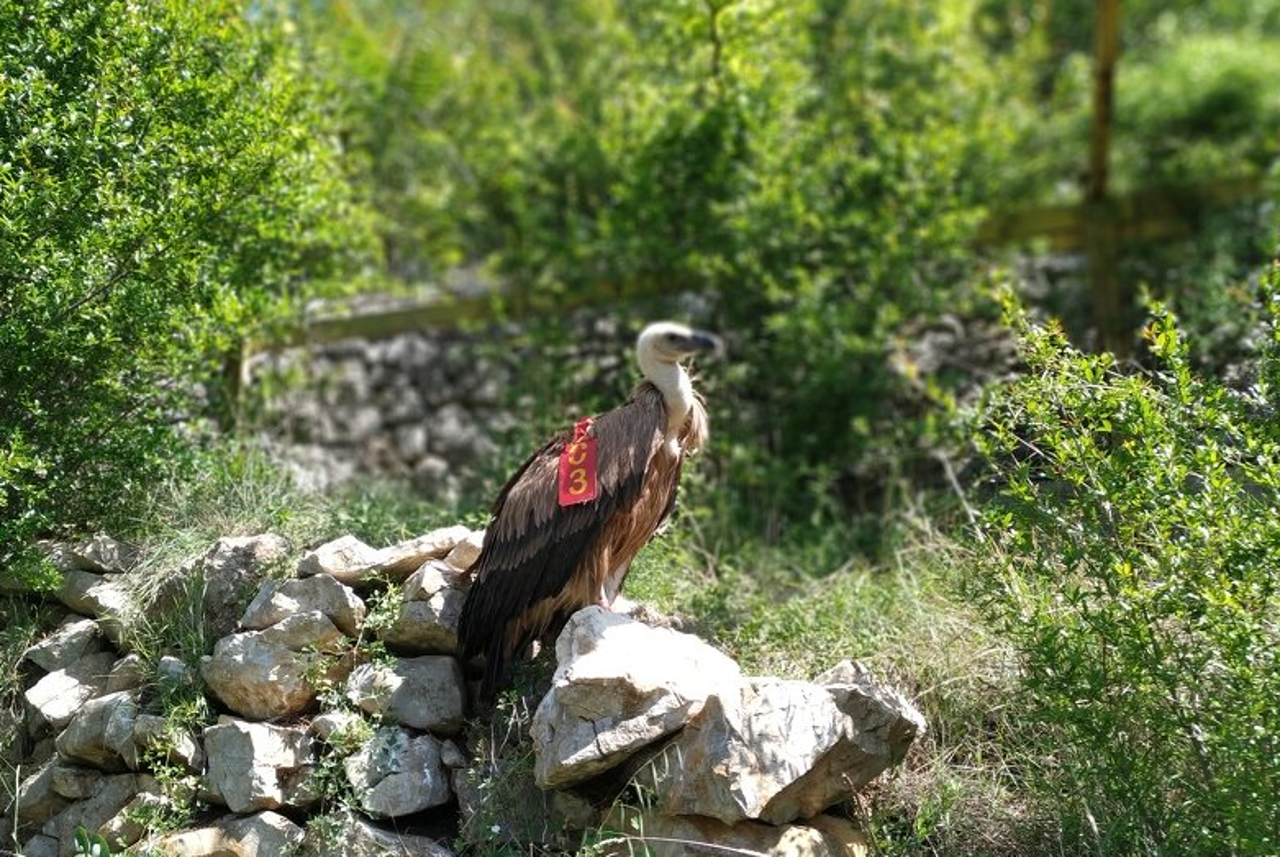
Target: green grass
{"points": [[792, 609], [798, 608]]}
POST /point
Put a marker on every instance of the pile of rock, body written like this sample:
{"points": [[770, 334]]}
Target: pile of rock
{"points": [[739, 761], [308, 719], [90, 737]]}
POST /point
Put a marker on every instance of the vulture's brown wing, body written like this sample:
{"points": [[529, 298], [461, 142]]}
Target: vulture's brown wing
{"points": [[534, 546]]}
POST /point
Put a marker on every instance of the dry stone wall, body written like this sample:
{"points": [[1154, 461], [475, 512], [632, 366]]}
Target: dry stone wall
{"points": [[337, 723]]}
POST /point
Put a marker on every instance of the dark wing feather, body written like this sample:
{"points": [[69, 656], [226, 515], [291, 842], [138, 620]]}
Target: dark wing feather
{"points": [[533, 546]]}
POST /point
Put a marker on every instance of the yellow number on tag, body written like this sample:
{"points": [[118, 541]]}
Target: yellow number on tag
{"points": [[577, 480], [577, 453]]}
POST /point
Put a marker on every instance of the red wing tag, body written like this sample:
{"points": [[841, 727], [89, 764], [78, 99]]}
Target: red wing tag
{"points": [[578, 466]]}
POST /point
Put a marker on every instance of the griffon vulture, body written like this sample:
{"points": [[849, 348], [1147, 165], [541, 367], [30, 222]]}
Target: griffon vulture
{"points": [[566, 526]]}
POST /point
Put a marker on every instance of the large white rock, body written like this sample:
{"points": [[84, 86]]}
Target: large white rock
{"points": [[430, 607], [100, 554], [38, 799], [100, 596], [73, 639], [266, 834], [254, 766], [347, 558], [230, 572], [93, 813], [101, 733], [355, 563], [263, 675], [779, 750], [619, 686], [397, 773], [351, 836], [401, 560], [321, 593], [427, 693], [56, 697], [657, 835]]}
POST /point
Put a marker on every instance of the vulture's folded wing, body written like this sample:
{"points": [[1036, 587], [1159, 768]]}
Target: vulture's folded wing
{"points": [[534, 546]]}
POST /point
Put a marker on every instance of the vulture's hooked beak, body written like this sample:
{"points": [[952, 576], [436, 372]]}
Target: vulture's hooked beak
{"points": [[702, 342]]}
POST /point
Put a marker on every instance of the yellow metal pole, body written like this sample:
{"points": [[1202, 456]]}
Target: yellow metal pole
{"points": [[1111, 306]]}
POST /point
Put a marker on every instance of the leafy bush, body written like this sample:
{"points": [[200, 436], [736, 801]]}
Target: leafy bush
{"points": [[818, 165], [1133, 549], [1207, 106], [167, 180]]}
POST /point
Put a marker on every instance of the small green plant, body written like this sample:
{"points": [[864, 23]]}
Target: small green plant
{"points": [[90, 844], [1131, 554]]}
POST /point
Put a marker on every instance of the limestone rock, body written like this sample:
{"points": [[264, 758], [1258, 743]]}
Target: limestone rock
{"points": [[254, 766], [619, 686], [427, 622], [397, 774], [93, 813], [101, 596], [76, 783], [352, 836], [174, 671], [321, 593], [58, 696], [38, 800], [124, 828], [335, 723], [878, 710], [231, 570], [153, 733], [692, 836], [451, 754], [73, 639], [401, 560], [100, 555], [432, 576], [467, 551], [427, 693], [262, 675], [348, 559], [101, 733], [779, 750], [40, 846], [128, 673], [266, 834]]}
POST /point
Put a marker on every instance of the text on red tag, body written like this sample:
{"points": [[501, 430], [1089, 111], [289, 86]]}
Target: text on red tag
{"points": [[578, 466]]}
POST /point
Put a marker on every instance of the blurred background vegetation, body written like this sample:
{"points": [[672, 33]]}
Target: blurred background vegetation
{"points": [[912, 465]]}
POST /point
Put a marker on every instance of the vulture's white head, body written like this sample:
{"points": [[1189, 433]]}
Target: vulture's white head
{"points": [[664, 343], [659, 349]]}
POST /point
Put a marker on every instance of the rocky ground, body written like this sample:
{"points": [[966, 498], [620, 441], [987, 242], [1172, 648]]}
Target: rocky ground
{"points": [[332, 716]]}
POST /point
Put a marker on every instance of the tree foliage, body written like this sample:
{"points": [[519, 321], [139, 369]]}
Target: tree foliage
{"points": [[165, 179], [817, 165]]}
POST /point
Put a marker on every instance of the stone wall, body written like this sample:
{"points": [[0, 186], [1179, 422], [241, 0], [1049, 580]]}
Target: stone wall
{"points": [[431, 407], [425, 407], [332, 719]]}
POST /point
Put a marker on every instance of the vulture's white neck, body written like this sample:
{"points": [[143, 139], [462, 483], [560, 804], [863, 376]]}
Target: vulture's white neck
{"points": [[674, 384]]}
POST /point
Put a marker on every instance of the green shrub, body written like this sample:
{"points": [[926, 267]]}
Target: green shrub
{"points": [[818, 165], [1133, 552], [166, 180], [1206, 106]]}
